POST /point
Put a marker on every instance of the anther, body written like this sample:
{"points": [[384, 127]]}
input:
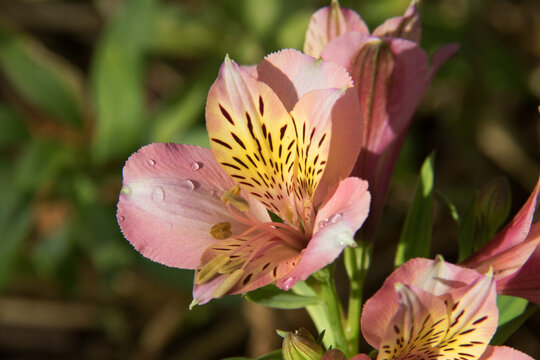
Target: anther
{"points": [[233, 197], [228, 283], [221, 230], [232, 265], [210, 269]]}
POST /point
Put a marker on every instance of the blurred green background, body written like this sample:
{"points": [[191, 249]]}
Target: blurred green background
{"points": [[84, 83]]}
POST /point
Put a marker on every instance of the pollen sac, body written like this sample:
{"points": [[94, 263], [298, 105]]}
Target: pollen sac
{"points": [[233, 197], [228, 283], [209, 270], [221, 231], [232, 265]]}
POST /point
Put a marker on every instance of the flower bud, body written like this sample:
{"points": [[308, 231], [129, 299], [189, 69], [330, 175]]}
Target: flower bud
{"points": [[494, 204], [300, 345]]}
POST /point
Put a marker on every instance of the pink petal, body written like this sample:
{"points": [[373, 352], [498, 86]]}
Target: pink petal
{"points": [[435, 276], [405, 27], [337, 221], [171, 199], [474, 316], [345, 145], [328, 23], [246, 123], [503, 353], [292, 74], [507, 250], [391, 76], [420, 322], [312, 118], [525, 282]]}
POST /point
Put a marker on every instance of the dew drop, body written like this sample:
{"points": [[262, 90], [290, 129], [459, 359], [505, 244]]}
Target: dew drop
{"points": [[188, 185], [158, 193], [196, 165], [151, 162], [121, 218], [323, 223], [335, 218], [126, 190]]}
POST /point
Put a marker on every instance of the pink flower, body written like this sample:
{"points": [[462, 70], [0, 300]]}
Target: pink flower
{"points": [[509, 250], [390, 73], [432, 309], [273, 149]]}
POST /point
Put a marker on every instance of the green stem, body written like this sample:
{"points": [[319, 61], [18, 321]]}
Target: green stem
{"points": [[331, 307], [356, 263]]}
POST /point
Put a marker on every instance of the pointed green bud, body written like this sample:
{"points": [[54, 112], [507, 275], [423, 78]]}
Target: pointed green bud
{"points": [[300, 345], [494, 204]]}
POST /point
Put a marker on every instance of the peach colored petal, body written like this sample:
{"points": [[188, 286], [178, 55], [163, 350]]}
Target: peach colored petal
{"points": [[337, 221], [170, 200], [503, 353], [328, 23]]}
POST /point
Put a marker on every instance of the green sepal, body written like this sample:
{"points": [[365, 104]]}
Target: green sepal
{"points": [[274, 297], [507, 329], [510, 307]]}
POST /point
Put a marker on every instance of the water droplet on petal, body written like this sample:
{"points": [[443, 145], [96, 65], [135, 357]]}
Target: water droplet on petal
{"points": [[323, 223], [126, 190], [151, 162], [196, 165], [158, 193], [121, 218], [335, 218], [188, 185], [287, 283]]}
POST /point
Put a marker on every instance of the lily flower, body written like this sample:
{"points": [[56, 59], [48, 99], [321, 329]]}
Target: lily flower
{"points": [[510, 249], [280, 143], [430, 309], [391, 73]]}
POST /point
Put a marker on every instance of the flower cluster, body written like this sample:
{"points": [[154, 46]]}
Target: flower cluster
{"points": [[294, 143]]}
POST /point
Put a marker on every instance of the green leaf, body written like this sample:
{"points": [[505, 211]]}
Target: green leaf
{"points": [[506, 330], [292, 30], [274, 355], [467, 226], [40, 164], [261, 15], [510, 307], [274, 297], [416, 234], [117, 88], [181, 33], [179, 116], [15, 224], [12, 128], [41, 78]]}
